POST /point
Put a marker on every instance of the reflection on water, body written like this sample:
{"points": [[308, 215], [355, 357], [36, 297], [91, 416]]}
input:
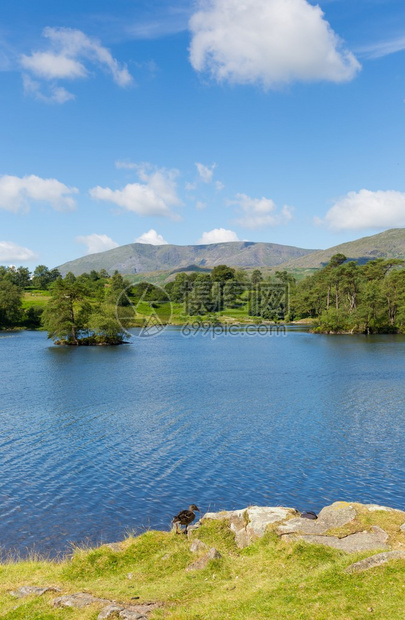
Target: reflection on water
{"points": [[98, 441]]}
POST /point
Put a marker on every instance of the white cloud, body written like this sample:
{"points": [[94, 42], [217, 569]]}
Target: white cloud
{"points": [[270, 42], [366, 209], [97, 243], [218, 235], [11, 252], [152, 238], [219, 186], [51, 66], [57, 94], [16, 193], [155, 196], [205, 172], [200, 205], [69, 50], [260, 212]]}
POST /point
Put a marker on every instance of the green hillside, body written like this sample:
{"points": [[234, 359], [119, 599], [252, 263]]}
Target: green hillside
{"points": [[142, 258], [158, 262], [388, 244]]}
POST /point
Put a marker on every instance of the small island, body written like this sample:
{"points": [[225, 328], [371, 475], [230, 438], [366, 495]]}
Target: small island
{"points": [[72, 320]]}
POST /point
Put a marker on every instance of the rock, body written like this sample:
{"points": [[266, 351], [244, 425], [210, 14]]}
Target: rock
{"points": [[336, 515], [110, 610], [402, 528], [355, 543], [130, 614], [79, 600], [203, 562], [33, 591], [375, 560], [197, 546], [260, 518], [193, 528], [251, 523], [138, 612]]}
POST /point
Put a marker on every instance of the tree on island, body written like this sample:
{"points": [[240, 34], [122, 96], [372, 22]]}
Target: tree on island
{"points": [[71, 319]]}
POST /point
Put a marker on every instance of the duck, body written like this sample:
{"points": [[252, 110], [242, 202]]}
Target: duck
{"points": [[185, 517]]}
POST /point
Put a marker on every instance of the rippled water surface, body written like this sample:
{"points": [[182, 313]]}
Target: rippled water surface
{"points": [[98, 441]]}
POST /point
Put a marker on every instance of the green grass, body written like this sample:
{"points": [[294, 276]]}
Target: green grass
{"points": [[270, 579], [35, 298]]}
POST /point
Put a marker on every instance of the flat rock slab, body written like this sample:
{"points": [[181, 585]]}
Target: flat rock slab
{"points": [[34, 591], [109, 611], [402, 528], [336, 515], [79, 600], [203, 562], [139, 612], [251, 523], [132, 614], [375, 560], [355, 543]]}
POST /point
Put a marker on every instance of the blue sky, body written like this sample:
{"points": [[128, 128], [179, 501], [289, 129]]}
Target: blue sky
{"points": [[190, 122]]}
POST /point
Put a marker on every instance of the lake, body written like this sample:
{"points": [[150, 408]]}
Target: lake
{"points": [[99, 441]]}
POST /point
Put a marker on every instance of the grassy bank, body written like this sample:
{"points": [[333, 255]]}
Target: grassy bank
{"points": [[271, 579]]}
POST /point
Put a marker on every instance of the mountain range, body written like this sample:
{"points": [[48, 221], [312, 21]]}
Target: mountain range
{"points": [[139, 258]]}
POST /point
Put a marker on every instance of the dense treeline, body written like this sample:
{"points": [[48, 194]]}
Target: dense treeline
{"points": [[347, 297], [13, 282], [228, 288], [344, 296], [76, 310]]}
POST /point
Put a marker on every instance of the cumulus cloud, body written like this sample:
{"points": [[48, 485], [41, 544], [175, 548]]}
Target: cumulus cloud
{"points": [[156, 195], [11, 252], [97, 243], [218, 235], [205, 172], [365, 210], [152, 238], [17, 193], [260, 212], [65, 59], [51, 66], [269, 42]]}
